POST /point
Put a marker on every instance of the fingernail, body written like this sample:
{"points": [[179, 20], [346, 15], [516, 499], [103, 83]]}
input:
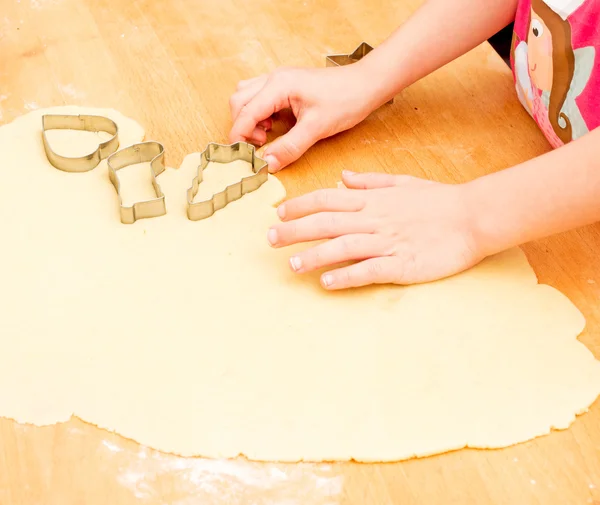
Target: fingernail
{"points": [[281, 211], [272, 162], [327, 280], [272, 236], [295, 263], [348, 172]]}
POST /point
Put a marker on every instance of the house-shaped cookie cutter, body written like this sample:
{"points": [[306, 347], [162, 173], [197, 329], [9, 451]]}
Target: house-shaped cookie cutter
{"points": [[153, 152]]}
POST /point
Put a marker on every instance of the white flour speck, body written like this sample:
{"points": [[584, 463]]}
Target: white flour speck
{"points": [[40, 4], [110, 446], [532, 482], [31, 105], [135, 482], [277, 473], [69, 90]]}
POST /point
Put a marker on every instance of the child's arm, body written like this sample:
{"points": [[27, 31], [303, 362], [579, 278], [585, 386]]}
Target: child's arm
{"points": [[437, 33], [543, 196], [330, 100]]}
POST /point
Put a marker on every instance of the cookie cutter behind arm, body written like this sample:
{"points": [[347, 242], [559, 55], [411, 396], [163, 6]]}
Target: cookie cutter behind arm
{"points": [[339, 60], [81, 123], [139, 153], [219, 153]]}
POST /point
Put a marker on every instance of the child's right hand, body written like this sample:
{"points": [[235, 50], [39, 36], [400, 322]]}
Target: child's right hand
{"points": [[324, 101]]}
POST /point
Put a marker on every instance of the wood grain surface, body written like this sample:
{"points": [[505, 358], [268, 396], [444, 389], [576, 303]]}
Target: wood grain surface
{"points": [[172, 66]]}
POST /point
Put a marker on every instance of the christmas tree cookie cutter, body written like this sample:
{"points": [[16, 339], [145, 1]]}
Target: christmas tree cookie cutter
{"points": [[152, 152], [82, 123], [219, 153]]}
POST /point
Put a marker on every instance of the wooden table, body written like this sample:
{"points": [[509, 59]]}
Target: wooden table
{"points": [[172, 66]]}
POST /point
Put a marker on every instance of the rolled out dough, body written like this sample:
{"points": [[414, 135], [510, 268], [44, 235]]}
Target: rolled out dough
{"points": [[196, 338]]}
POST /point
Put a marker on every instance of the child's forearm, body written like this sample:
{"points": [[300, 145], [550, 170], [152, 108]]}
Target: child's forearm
{"points": [[543, 196], [439, 32]]}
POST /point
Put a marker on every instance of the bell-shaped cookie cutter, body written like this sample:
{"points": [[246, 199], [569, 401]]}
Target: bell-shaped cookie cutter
{"points": [[339, 60], [82, 123], [153, 152], [220, 153]]}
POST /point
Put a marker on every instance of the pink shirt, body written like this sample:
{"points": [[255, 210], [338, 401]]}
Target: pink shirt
{"points": [[556, 66]]}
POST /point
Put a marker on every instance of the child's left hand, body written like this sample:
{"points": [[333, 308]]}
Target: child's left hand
{"points": [[400, 229]]}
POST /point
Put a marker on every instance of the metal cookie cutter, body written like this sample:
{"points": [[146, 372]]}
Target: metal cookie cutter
{"points": [[85, 123], [219, 153], [153, 152], [339, 60]]}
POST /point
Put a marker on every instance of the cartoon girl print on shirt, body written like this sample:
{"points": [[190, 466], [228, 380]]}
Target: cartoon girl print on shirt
{"points": [[550, 74]]}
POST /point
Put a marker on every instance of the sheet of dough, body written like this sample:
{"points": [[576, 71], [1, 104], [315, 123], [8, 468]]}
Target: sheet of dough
{"points": [[195, 338]]}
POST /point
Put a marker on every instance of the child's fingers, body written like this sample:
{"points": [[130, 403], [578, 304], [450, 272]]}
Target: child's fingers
{"points": [[318, 227], [322, 200], [372, 180], [338, 250], [380, 270], [241, 97], [271, 98], [291, 146], [244, 83], [266, 124], [258, 137]]}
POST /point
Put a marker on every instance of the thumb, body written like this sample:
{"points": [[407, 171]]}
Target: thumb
{"points": [[372, 180], [289, 147]]}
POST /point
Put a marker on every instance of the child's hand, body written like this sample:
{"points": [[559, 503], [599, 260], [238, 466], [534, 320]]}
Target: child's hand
{"points": [[325, 102], [400, 229]]}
